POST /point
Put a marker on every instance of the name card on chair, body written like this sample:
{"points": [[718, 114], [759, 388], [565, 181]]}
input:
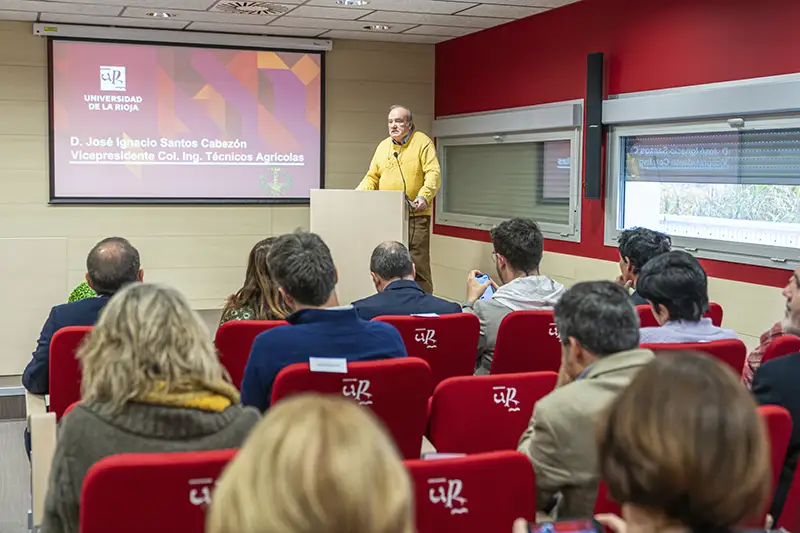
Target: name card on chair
{"points": [[327, 364]]}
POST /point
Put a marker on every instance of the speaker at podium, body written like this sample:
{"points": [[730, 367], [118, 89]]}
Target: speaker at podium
{"points": [[352, 224]]}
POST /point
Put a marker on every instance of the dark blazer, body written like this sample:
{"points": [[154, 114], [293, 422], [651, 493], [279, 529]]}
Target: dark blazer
{"points": [[36, 377], [403, 297], [637, 299], [775, 383]]}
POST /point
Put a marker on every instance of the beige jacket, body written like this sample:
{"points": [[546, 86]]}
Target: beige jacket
{"points": [[560, 439]]}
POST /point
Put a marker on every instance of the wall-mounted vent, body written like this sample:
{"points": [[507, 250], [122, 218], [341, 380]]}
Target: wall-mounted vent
{"points": [[262, 9]]}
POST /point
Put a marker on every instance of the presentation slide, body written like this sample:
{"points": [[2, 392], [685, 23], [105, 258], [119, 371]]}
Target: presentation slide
{"points": [[140, 122]]}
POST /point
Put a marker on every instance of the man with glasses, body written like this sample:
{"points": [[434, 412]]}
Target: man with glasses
{"points": [[406, 161]]}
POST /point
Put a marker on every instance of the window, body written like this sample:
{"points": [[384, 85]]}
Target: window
{"points": [[491, 176], [728, 190]]}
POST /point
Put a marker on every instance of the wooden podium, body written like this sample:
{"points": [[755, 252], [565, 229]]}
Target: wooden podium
{"points": [[352, 224]]}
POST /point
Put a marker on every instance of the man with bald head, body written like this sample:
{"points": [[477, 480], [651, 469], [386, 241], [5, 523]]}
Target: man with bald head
{"points": [[111, 264], [406, 161], [393, 273]]}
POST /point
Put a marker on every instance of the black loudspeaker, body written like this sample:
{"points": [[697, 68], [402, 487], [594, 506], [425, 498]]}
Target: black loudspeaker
{"points": [[594, 125]]}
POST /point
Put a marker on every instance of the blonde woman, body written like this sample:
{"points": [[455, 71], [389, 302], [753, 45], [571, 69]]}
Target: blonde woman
{"points": [[315, 464], [151, 383]]}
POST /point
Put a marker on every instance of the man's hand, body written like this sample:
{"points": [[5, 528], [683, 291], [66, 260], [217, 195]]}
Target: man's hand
{"points": [[625, 284], [475, 288], [420, 204]]}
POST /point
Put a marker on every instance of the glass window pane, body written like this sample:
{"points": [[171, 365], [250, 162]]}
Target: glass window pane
{"points": [[502, 180]]}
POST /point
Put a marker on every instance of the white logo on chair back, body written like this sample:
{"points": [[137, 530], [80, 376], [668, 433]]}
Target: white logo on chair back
{"points": [[200, 493], [553, 330], [426, 336], [505, 396], [450, 496], [357, 389]]}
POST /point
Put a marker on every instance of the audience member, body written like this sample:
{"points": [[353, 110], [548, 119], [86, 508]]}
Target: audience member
{"points": [[111, 264], [398, 294], [599, 331], [684, 450], [315, 464], [637, 246], [258, 299], [81, 292], [676, 287], [151, 382], [518, 246], [790, 325], [775, 383], [303, 268]]}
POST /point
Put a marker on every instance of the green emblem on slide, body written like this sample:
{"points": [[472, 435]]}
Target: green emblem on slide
{"points": [[276, 185]]}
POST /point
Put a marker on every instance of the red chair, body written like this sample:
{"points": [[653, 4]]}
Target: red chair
{"points": [[732, 352], [783, 345], [397, 391], [789, 520], [648, 320], [527, 341], [604, 503], [234, 340], [473, 494], [448, 343], [153, 492], [65, 371], [485, 413]]}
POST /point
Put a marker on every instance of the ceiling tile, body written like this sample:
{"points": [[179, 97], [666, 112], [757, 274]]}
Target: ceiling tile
{"points": [[342, 13], [531, 3], [113, 21], [509, 12], [27, 16], [334, 24], [372, 36], [162, 4], [59, 7], [440, 31], [418, 6], [202, 16], [438, 20], [250, 28]]}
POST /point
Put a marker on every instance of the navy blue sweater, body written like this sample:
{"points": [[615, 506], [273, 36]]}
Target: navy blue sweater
{"points": [[335, 333]]}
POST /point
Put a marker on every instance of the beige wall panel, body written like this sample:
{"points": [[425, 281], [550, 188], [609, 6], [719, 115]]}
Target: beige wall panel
{"points": [[362, 65], [23, 187], [370, 95], [23, 118], [287, 219], [23, 83], [24, 152]]}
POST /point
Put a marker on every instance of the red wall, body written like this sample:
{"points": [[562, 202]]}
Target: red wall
{"points": [[648, 44]]}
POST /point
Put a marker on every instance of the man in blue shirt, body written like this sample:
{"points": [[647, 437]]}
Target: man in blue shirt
{"points": [[302, 266], [398, 294]]}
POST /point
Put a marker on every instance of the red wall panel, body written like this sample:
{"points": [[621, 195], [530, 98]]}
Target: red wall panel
{"points": [[649, 44]]}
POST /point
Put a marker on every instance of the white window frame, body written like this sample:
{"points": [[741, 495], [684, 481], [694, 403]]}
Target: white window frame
{"points": [[548, 122], [766, 103]]}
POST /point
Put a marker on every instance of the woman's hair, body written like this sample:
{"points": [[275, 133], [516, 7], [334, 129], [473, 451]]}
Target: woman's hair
{"points": [[259, 292], [315, 464], [147, 338], [685, 441]]}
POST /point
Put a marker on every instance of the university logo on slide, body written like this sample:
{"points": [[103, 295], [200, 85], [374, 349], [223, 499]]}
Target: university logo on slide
{"points": [[112, 79]]}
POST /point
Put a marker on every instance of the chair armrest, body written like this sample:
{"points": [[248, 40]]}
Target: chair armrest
{"points": [[34, 405], [43, 447]]}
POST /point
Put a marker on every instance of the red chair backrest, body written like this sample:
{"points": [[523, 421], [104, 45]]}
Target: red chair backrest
{"points": [[604, 503], [397, 391], [485, 413], [527, 341], [732, 352], [473, 494], [648, 320], [153, 492], [65, 371], [783, 345], [234, 340], [448, 343], [789, 520]]}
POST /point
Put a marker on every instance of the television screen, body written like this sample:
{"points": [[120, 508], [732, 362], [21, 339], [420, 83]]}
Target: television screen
{"points": [[166, 123]]}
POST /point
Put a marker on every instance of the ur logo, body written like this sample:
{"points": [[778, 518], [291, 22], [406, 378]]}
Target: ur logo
{"points": [[112, 79]]}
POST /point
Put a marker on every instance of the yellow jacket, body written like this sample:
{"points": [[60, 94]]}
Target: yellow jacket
{"points": [[421, 169]]}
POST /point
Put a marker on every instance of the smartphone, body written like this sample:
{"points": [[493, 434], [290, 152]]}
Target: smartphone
{"points": [[569, 526], [489, 292]]}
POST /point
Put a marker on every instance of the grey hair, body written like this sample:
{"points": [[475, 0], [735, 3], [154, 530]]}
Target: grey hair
{"points": [[391, 260], [147, 339], [408, 109], [600, 316]]}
